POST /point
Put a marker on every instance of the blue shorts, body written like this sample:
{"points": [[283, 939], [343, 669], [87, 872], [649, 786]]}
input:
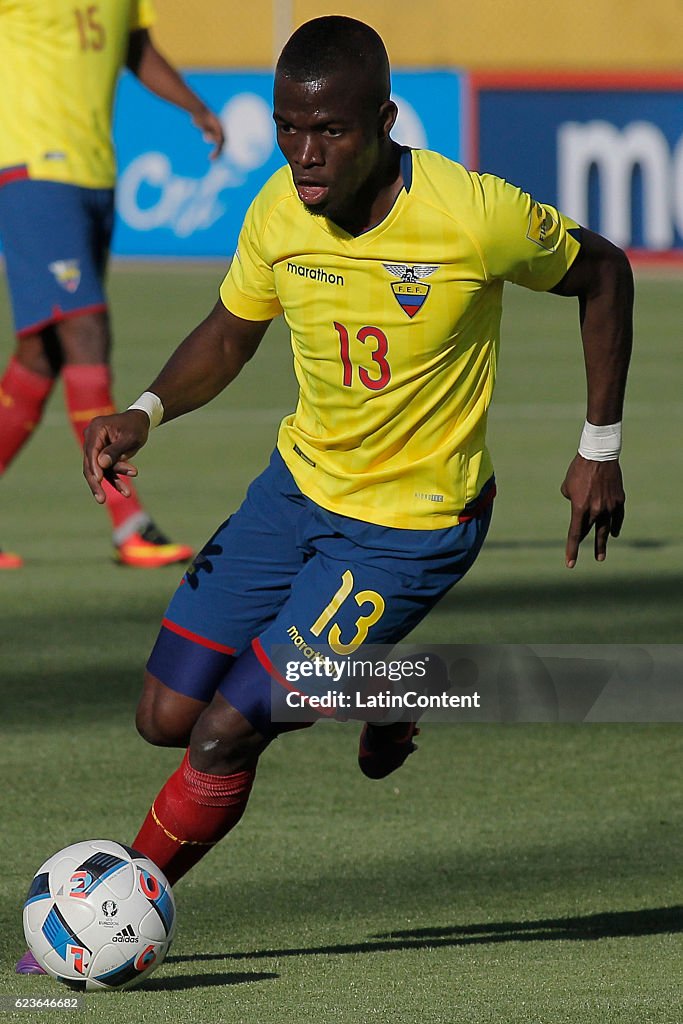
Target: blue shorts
{"points": [[283, 573], [56, 242]]}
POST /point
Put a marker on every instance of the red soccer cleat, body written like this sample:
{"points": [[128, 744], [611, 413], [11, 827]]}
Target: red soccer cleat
{"points": [[382, 749], [29, 965], [151, 549], [8, 560]]}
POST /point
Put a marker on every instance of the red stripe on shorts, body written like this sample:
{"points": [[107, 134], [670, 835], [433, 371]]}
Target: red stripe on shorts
{"points": [[196, 638], [267, 664], [479, 506], [58, 315], [257, 647]]}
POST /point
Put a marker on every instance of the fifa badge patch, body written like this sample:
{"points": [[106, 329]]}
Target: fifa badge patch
{"points": [[67, 274], [543, 227], [411, 294]]}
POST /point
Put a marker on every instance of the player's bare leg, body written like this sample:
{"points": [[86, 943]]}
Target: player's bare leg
{"points": [[206, 797], [85, 340], [223, 741], [164, 717]]}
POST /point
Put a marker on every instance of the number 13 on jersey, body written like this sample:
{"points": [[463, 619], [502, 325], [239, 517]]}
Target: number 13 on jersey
{"points": [[367, 335]]}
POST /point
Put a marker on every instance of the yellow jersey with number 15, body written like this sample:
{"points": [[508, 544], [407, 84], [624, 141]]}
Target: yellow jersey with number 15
{"points": [[395, 333], [59, 63]]}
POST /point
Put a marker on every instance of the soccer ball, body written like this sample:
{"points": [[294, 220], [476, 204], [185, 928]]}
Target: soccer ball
{"points": [[99, 915]]}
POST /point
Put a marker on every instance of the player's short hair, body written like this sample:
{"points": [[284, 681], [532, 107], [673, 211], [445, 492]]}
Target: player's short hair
{"points": [[335, 45]]}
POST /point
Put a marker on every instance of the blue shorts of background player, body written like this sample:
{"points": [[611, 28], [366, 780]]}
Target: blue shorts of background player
{"points": [[56, 240], [283, 573]]}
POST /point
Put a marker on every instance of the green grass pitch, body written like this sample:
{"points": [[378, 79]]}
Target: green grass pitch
{"points": [[519, 874]]}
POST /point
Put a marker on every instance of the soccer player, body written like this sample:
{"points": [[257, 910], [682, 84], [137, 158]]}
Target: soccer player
{"points": [[389, 265], [59, 63]]}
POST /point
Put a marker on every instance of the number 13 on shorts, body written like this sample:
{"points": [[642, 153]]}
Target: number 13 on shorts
{"points": [[362, 624]]}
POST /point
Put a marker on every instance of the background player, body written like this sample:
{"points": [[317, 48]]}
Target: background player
{"points": [[389, 266], [59, 63]]}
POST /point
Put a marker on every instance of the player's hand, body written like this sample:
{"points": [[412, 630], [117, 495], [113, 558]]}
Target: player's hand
{"points": [[110, 442], [596, 493], [212, 130]]}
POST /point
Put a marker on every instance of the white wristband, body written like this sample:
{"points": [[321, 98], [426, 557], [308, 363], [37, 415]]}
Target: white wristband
{"points": [[151, 404], [600, 444]]}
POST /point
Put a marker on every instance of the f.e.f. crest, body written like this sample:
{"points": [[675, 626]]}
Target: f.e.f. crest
{"points": [[67, 273], [411, 294]]}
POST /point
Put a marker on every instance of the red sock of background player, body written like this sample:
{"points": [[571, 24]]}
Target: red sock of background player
{"points": [[23, 394], [87, 391], [189, 816]]}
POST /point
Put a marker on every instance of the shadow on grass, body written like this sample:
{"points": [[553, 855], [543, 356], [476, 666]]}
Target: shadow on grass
{"points": [[639, 543], [577, 594], [610, 925], [187, 981]]}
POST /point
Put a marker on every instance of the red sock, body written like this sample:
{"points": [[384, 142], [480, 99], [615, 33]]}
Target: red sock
{"points": [[23, 394], [87, 390], [191, 813]]}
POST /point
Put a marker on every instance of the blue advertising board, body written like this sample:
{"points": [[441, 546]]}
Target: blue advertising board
{"points": [[607, 149], [173, 201]]}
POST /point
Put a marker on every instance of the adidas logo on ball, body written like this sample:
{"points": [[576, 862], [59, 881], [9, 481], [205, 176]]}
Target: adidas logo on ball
{"points": [[125, 935]]}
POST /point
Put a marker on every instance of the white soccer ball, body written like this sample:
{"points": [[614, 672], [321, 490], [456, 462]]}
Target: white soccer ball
{"points": [[99, 915]]}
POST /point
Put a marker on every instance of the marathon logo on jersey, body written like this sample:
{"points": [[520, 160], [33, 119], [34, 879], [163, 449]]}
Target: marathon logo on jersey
{"points": [[67, 273], [410, 293], [315, 273], [543, 227]]}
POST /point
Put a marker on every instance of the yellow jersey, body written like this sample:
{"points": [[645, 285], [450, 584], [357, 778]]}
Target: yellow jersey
{"points": [[59, 63], [395, 332]]}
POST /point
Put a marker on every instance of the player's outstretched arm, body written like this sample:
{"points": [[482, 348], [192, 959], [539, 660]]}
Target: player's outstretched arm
{"points": [[601, 278], [200, 368], [161, 78]]}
